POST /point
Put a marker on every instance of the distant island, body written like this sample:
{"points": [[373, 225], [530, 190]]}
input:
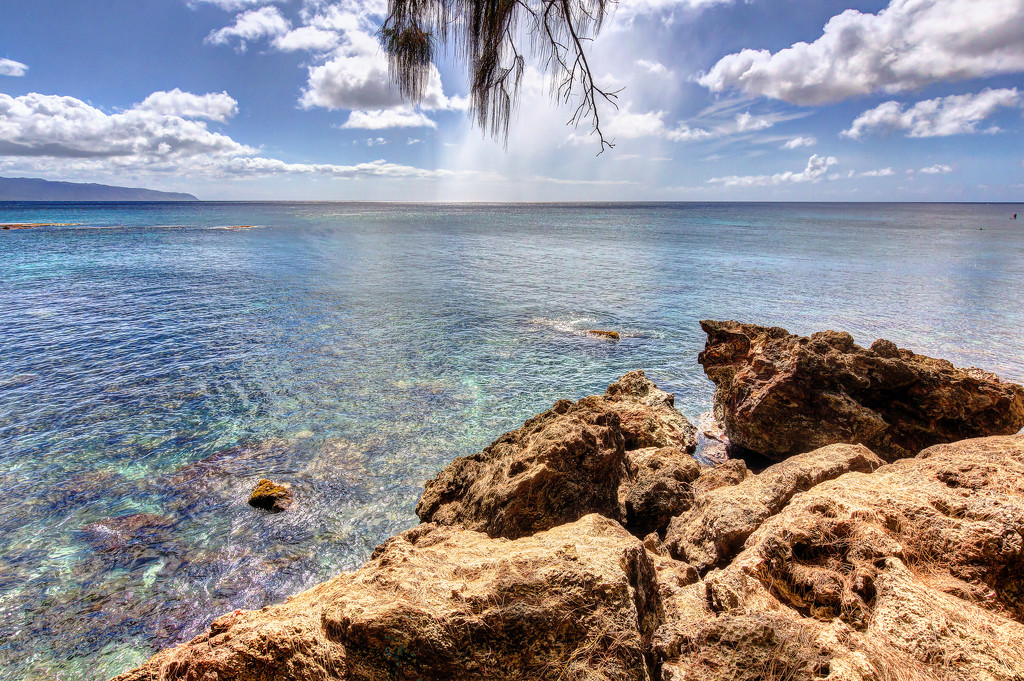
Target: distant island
{"points": [[33, 189]]}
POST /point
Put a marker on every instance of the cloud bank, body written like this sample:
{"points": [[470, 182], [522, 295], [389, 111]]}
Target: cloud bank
{"points": [[908, 45]]}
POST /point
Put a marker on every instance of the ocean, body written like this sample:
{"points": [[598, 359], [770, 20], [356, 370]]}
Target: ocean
{"points": [[155, 363]]}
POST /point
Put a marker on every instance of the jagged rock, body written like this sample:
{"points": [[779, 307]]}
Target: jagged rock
{"points": [[728, 473], [918, 566], [560, 465], [648, 415], [577, 602], [271, 496], [779, 394], [712, 532], [660, 488]]}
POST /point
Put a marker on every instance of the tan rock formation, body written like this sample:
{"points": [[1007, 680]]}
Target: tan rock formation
{"points": [[271, 496], [914, 571], [780, 394], [560, 465], [714, 529], [577, 602]]}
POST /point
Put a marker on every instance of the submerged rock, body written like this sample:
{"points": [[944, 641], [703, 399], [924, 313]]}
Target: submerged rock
{"points": [[577, 602], [612, 335], [779, 394], [560, 465], [271, 496]]}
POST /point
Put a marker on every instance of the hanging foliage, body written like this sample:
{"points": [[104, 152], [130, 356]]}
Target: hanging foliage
{"points": [[485, 34]]}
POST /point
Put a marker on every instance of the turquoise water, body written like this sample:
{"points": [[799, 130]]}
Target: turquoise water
{"points": [[154, 365]]}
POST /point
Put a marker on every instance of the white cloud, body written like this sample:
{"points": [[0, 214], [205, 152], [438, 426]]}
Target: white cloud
{"points": [[230, 5], [388, 118], [50, 125], [65, 134], [941, 117], [214, 106], [798, 142], [268, 166], [9, 67], [747, 123], [937, 169], [357, 78], [265, 22], [308, 38], [626, 12], [653, 67], [816, 168], [881, 172], [906, 46]]}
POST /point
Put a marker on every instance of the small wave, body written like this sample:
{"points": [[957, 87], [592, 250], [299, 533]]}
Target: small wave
{"points": [[577, 326], [582, 326]]}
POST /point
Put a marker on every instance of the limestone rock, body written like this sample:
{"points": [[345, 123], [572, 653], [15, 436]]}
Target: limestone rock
{"points": [[647, 415], [713, 531], [577, 602], [660, 488], [271, 496], [917, 567], [779, 394], [560, 465]]}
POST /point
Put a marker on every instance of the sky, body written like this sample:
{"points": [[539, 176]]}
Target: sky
{"points": [[719, 100]]}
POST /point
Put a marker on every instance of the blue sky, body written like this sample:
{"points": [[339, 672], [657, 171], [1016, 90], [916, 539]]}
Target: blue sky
{"points": [[721, 100]]}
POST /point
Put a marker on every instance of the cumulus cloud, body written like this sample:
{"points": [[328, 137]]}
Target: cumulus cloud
{"points": [[388, 118], [306, 38], [51, 125], [906, 46], [158, 135], [265, 22], [881, 172], [9, 67], [216, 106], [798, 142], [816, 168], [937, 169], [941, 117]]}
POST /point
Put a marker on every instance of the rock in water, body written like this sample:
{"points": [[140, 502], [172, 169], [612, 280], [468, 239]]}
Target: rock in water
{"points": [[271, 496], [577, 602], [779, 394], [560, 465], [613, 335]]}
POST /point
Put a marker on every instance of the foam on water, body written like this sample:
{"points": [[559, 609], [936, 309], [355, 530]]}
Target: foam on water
{"points": [[154, 368]]}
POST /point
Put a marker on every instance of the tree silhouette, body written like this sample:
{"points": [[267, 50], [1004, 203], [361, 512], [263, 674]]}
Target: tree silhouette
{"points": [[485, 33]]}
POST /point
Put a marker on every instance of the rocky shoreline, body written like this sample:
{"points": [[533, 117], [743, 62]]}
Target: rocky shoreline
{"points": [[886, 543]]}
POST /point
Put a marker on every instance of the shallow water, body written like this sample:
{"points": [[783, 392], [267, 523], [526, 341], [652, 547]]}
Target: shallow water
{"points": [[154, 365]]}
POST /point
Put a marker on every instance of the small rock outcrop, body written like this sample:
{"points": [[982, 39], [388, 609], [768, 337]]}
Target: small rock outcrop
{"points": [[271, 496], [779, 394], [612, 335], [560, 465], [580, 601]]}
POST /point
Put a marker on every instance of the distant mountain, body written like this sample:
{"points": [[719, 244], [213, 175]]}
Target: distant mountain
{"points": [[32, 189]]}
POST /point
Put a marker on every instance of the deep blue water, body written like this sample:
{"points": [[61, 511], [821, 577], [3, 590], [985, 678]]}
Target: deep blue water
{"points": [[154, 365]]}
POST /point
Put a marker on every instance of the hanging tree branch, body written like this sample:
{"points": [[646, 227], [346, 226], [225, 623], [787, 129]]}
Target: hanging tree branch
{"points": [[485, 33]]}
